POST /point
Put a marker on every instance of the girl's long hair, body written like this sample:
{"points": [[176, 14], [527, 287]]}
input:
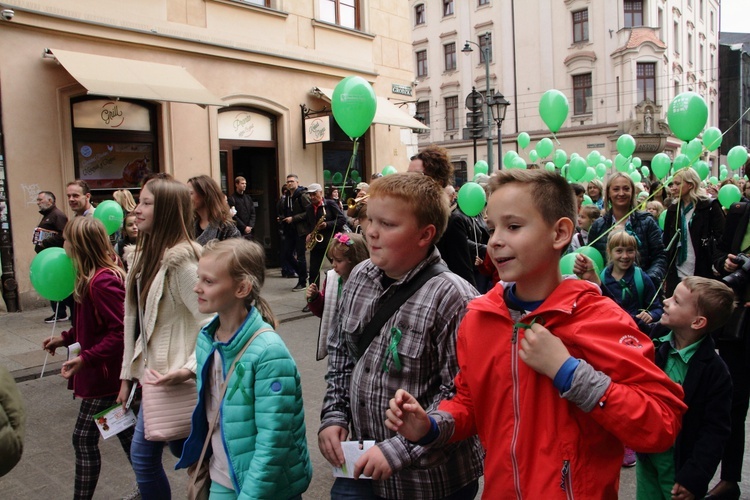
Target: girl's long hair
{"points": [[217, 207], [172, 224], [245, 261], [90, 250], [621, 238]]}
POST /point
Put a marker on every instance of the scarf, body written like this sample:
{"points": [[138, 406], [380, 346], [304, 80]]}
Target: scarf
{"points": [[682, 249]]}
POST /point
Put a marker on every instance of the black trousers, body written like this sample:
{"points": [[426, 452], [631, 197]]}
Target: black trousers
{"points": [[736, 355], [301, 260]]}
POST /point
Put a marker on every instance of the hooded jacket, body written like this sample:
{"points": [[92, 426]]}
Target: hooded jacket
{"points": [[12, 422], [539, 444], [262, 420]]}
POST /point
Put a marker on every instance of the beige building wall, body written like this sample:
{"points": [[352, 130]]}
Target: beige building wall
{"points": [[534, 51], [264, 58]]}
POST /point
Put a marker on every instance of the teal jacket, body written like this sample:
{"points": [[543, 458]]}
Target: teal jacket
{"points": [[262, 417]]}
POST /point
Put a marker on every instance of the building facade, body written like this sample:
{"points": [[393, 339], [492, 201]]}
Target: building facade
{"points": [[108, 91], [734, 89], [619, 62]]}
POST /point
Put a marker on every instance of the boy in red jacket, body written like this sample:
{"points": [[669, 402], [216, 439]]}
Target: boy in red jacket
{"points": [[554, 378]]}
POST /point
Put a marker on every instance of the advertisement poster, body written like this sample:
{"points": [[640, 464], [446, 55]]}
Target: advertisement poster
{"points": [[113, 165]]}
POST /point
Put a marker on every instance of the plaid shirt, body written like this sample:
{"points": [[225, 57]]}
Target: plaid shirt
{"points": [[358, 391]]}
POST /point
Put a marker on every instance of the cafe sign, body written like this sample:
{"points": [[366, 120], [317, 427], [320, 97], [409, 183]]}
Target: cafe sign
{"points": [[317, 129]]}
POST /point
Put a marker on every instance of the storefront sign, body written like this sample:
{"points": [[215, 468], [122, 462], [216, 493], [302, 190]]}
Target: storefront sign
{"points": [[401, 89], [317, 129], [245, 125], [105, 114]]}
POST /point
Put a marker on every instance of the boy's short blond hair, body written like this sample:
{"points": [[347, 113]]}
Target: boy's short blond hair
{"points": [[425, 197], [550, 192], [713, 299]]}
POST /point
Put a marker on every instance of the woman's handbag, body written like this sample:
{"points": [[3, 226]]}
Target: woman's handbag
{"points": [[166, 409], [200, 478]]}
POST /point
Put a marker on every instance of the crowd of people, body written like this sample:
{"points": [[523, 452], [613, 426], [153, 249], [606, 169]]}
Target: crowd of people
{"points": [[454, 344]]}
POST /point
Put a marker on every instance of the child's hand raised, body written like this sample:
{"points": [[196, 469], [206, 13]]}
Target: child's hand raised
{"points": [[406, 416], [312, 292], [542, 351], [585, 269]]}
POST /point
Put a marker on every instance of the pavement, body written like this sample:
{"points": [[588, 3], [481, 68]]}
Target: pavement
{"points": [[46, 470]]}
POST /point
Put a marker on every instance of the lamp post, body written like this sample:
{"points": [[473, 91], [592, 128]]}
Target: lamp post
{"points": [[499, 105], [486, 54]]}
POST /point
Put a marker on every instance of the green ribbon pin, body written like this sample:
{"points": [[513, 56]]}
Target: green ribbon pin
{"points": [[392, 350], [240, 371]]}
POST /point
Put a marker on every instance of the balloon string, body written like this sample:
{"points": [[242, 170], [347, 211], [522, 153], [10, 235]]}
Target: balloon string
{"points": [[54, 324]]}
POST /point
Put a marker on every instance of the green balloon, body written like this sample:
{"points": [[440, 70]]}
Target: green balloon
{"points": [[52, 274], [722, 175], [544, 147], [590, 174], [680, 162], [327, 175], [561, 158], [622, 164], [354, 103], [553, 108], [577, 168], [593, 158], [111, 215], [587, 200], [593, 254], [645, 171], [687, 115], [471, 199], [660, 165], [533, 156], [519, 162], [713, 180], [626, 145], [601, 170], [608, 163], [337, 178], [355, 176], [481, 167], [702, 169], [729, 194], [636, 162], [549, 166], [662, 219], [693, 150], [508, 158], [636, 176], [523, 140], [567, 262], [736, 157], [389, 169], [712, 138]]}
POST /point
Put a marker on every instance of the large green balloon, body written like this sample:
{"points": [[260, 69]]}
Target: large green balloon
{"points": [[553, 108], [621, 163], [577, 168], [110, 213], [52, 274], [593, 158], [593, 254], [712, 138], [687, 115], [471, 199], [601, 170], [389, 169], [702, 169], [508, 158], [567, 262], [544, 147], [590, 174], [354, 103], [660, 165], [736, 157], [523, 140], [680, 162], [728, 194], [626, 145], [561, 158], [481, 167]]}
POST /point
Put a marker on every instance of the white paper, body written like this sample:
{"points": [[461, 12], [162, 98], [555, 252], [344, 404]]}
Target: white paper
{"points": [[74, 350], [114, 420], [352, 452]]}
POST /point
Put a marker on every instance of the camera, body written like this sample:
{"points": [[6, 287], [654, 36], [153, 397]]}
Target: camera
{"points": [[737, 281], [8, 14]]}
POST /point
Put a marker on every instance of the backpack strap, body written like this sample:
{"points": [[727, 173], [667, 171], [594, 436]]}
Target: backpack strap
{"points": [[638, 280], [393, 303]]}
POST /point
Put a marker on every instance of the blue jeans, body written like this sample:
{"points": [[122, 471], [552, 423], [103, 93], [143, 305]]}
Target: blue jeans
{"points": [[361, 489], [145, 456]]}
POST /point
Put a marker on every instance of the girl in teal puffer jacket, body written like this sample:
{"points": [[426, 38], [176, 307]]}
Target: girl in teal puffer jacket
{"points": [[258, 447]]}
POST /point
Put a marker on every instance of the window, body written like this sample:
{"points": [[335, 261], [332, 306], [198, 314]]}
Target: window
{"points": [[423, 112], [581, 26], [690, 48], [711, 69], [646, 73], [342, 12], [676, 88], [419, 17], [483, 2], [712, 22], [451, 113], [262, 3], [421, 63], [633, 13], [582, 94], [449, 50], [700, 9], [485, 43], [447, 7], [660, 16], [676, 37], [701, 58]]}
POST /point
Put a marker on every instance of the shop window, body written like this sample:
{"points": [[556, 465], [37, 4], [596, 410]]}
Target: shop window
{"points": [[114, 143]]}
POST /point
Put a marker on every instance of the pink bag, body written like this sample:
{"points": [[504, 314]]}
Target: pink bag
{"points": [[167, 409]]}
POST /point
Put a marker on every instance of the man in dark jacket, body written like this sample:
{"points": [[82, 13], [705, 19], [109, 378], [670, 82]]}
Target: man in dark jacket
{"points": [[333, 221], [243, 203], [296, 218], [48, 234]]}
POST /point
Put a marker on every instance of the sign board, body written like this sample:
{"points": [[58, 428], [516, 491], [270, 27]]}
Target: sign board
{"points": [[245, 125], [401, 89], [317, 129]]}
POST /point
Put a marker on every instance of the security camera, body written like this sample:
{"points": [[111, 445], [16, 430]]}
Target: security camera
{"points": [[8, 14]]}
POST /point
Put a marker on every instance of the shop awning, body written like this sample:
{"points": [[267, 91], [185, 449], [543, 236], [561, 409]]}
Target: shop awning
{"points": [[117, 77], [385, 114]]}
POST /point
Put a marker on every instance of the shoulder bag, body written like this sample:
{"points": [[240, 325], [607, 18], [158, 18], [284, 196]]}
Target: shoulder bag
{"points": [[200, 478]]}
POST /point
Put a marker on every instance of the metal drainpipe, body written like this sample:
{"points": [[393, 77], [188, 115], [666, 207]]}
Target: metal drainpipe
{"points": [[10, 285]]}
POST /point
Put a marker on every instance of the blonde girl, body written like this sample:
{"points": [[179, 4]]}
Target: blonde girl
{"points": [[655, 208], [93, 375], [259, 448], [160, 305], [346, 251]]}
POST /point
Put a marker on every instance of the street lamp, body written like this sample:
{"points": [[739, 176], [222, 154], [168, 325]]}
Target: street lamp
{"points": [[499, 105], [486, 55]]}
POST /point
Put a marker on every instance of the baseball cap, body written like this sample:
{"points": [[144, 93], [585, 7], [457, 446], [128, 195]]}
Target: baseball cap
{"points": [[363, 185], [314, 188]]}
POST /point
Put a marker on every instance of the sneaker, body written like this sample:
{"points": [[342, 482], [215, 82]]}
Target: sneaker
{"points": [[53, 319], [306, 309], [299, 287], [135, 494], [629, 459]]}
